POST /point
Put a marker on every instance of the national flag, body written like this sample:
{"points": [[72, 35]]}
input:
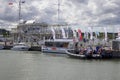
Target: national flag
{"points": [[80, 34], [10, 3]]}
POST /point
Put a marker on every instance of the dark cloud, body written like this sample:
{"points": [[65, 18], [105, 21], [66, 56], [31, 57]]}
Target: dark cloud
{"points": [[112, 21], [86, 11], [78, 2]]}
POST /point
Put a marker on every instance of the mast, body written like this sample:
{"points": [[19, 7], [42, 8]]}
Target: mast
{"points": [[19, 10], [58, 10]]}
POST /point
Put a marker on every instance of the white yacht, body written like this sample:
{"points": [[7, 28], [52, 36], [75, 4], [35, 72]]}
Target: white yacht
{"points": [[56, 46], [20, 47]]}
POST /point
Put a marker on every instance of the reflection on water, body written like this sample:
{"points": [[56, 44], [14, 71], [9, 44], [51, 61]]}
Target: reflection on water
{"points": [[34, 65]]}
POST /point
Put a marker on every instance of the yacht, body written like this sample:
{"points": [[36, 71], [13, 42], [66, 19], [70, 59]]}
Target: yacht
{"points": [[20, 47], [56, 45]]}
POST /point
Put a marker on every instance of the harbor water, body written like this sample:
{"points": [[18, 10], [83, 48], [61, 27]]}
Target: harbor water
{"points": [[34, 65]]}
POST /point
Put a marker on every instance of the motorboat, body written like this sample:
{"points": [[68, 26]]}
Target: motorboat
{"points": [[20, 47], [77, 51], [56, 46], [71, 53]]}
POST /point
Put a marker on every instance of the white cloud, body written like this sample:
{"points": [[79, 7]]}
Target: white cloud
{"points": [[83, 12]]}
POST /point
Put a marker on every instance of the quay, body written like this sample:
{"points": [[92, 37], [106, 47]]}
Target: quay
{"points": [[7, 47], [32, 48], [35, 48]]}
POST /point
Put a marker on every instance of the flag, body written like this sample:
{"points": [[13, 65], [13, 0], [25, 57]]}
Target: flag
{"points": [[74, 35], [97, 34], [105, 34], [53, 32], [10, 3], [86, 35], [66, 31], [22, 1], [119, 32], [80, 34], [91, 33], [63, 33]]}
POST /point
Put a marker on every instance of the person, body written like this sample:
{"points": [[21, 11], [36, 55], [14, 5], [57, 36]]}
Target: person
{"points": [[98, 49], [81, 49], [76, 48], [89, 50]]}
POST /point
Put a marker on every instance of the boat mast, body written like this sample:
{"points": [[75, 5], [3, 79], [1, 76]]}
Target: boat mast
{"points": [[58, 10], [19, 10]]}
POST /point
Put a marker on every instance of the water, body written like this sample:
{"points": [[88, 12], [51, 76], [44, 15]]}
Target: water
{"points": [[16, 65]]}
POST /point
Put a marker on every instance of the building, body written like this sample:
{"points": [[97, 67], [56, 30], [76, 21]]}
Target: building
{"points": [[34, 32]]}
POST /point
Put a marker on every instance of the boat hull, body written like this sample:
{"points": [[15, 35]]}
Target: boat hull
{"points": [[82, 56], [55, 50], [20, 49]]}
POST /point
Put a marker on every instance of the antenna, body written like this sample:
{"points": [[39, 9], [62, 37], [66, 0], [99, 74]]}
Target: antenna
{"points": [[59, 10]]}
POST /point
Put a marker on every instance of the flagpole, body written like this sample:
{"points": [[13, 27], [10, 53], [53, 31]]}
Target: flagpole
{"points": [[19, 10]]}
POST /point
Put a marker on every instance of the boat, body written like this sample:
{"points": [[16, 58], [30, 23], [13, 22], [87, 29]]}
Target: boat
{"points": [[71, 53], [56, 46], [20, 47], [77, 51]]}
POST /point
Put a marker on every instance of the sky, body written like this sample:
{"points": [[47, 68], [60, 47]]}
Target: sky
{"points": [[80, 13]]}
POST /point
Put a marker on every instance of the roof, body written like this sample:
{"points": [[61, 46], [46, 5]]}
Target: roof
{"points": [[59, 40]]}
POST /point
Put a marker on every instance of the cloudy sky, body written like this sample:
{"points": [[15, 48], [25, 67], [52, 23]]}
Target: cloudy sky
{"points": [[79, 12]]}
